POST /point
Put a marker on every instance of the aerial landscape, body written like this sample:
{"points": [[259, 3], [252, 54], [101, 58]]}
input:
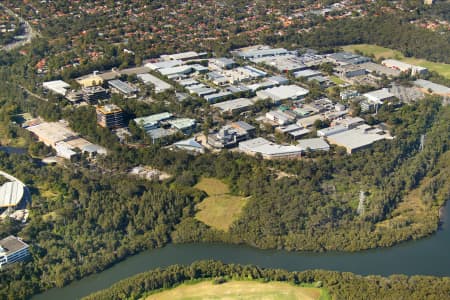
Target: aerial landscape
{"points": [[224, 149]]}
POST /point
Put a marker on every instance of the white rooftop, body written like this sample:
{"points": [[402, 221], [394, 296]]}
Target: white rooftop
{"points": [[11, 193], [314, 144], [283, 92], [233, 104], [57, 86], [267, 148]]}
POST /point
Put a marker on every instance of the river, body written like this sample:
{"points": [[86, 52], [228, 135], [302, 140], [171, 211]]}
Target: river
{"points": [[429, 256]]}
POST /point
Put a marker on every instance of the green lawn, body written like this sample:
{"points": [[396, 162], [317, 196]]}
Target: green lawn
{"points": [[212, 186], [378, 52], [242, 290], [219, 209], [336, 80]]}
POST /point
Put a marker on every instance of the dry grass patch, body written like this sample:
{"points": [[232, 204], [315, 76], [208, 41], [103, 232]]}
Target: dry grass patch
{"points": [[242, 290], [411, 211], [219, 209]]}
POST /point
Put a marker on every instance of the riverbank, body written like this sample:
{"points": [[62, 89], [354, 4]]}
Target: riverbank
{"points": [[430, 256], [289, 285]]}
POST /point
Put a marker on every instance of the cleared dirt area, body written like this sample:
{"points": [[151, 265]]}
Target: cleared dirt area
{"points": [[242, 290], [219, 209]]}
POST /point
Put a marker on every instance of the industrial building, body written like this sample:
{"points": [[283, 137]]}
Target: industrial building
{"points": [[357, 138], [279, 117], [299, 133], [404, 67], [216, 97], [152, 121], [430, 87], [230, 135], [349, 122], [223, 63], [380, 69], [52, 132], [176, 71], [159, 85], [12, 250], [260, 51], [269, 150], [57, 86], [379, 97], [61, 138], [346, 58], [183, 56], [123, 88], [285, 92], [185, 125], [349, 71], [314, 144], [324, 132], [110, 116], [234, 106], [306, 73], [163, 64], [284, 63]]}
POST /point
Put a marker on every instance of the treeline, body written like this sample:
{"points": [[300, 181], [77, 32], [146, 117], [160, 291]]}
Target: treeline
{"points": [[388, 30], [340, 285]]}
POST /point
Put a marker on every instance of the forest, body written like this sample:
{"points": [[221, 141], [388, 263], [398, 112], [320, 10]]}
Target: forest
{"points": [[340, 285]]}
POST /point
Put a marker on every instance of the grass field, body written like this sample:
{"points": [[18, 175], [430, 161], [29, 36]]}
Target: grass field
{"points": [[378, 52], [219, 209], [242, 290]]}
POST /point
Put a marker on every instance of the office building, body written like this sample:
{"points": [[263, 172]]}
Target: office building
{"points": [[110, 116], [12, 249]]}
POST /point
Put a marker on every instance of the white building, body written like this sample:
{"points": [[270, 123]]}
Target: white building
{"points": [[357, 139], [57, 86], [12, 249], [234, 106], [269, 150], [279, 117], [160, 85], [284, 92], [379, 96], [315, 144], [404, 67]]}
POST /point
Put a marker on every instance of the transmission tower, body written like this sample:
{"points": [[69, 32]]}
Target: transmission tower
{"points": [[362, 198], [422, 142]]}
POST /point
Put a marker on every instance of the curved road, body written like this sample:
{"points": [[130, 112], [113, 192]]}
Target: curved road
{"points": [[30, 33]]}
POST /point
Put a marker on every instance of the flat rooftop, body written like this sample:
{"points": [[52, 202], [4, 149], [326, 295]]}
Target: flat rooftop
{"points": [[52, 132], [434, 87], [355, 138], [11, 244], [11, 193]]}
